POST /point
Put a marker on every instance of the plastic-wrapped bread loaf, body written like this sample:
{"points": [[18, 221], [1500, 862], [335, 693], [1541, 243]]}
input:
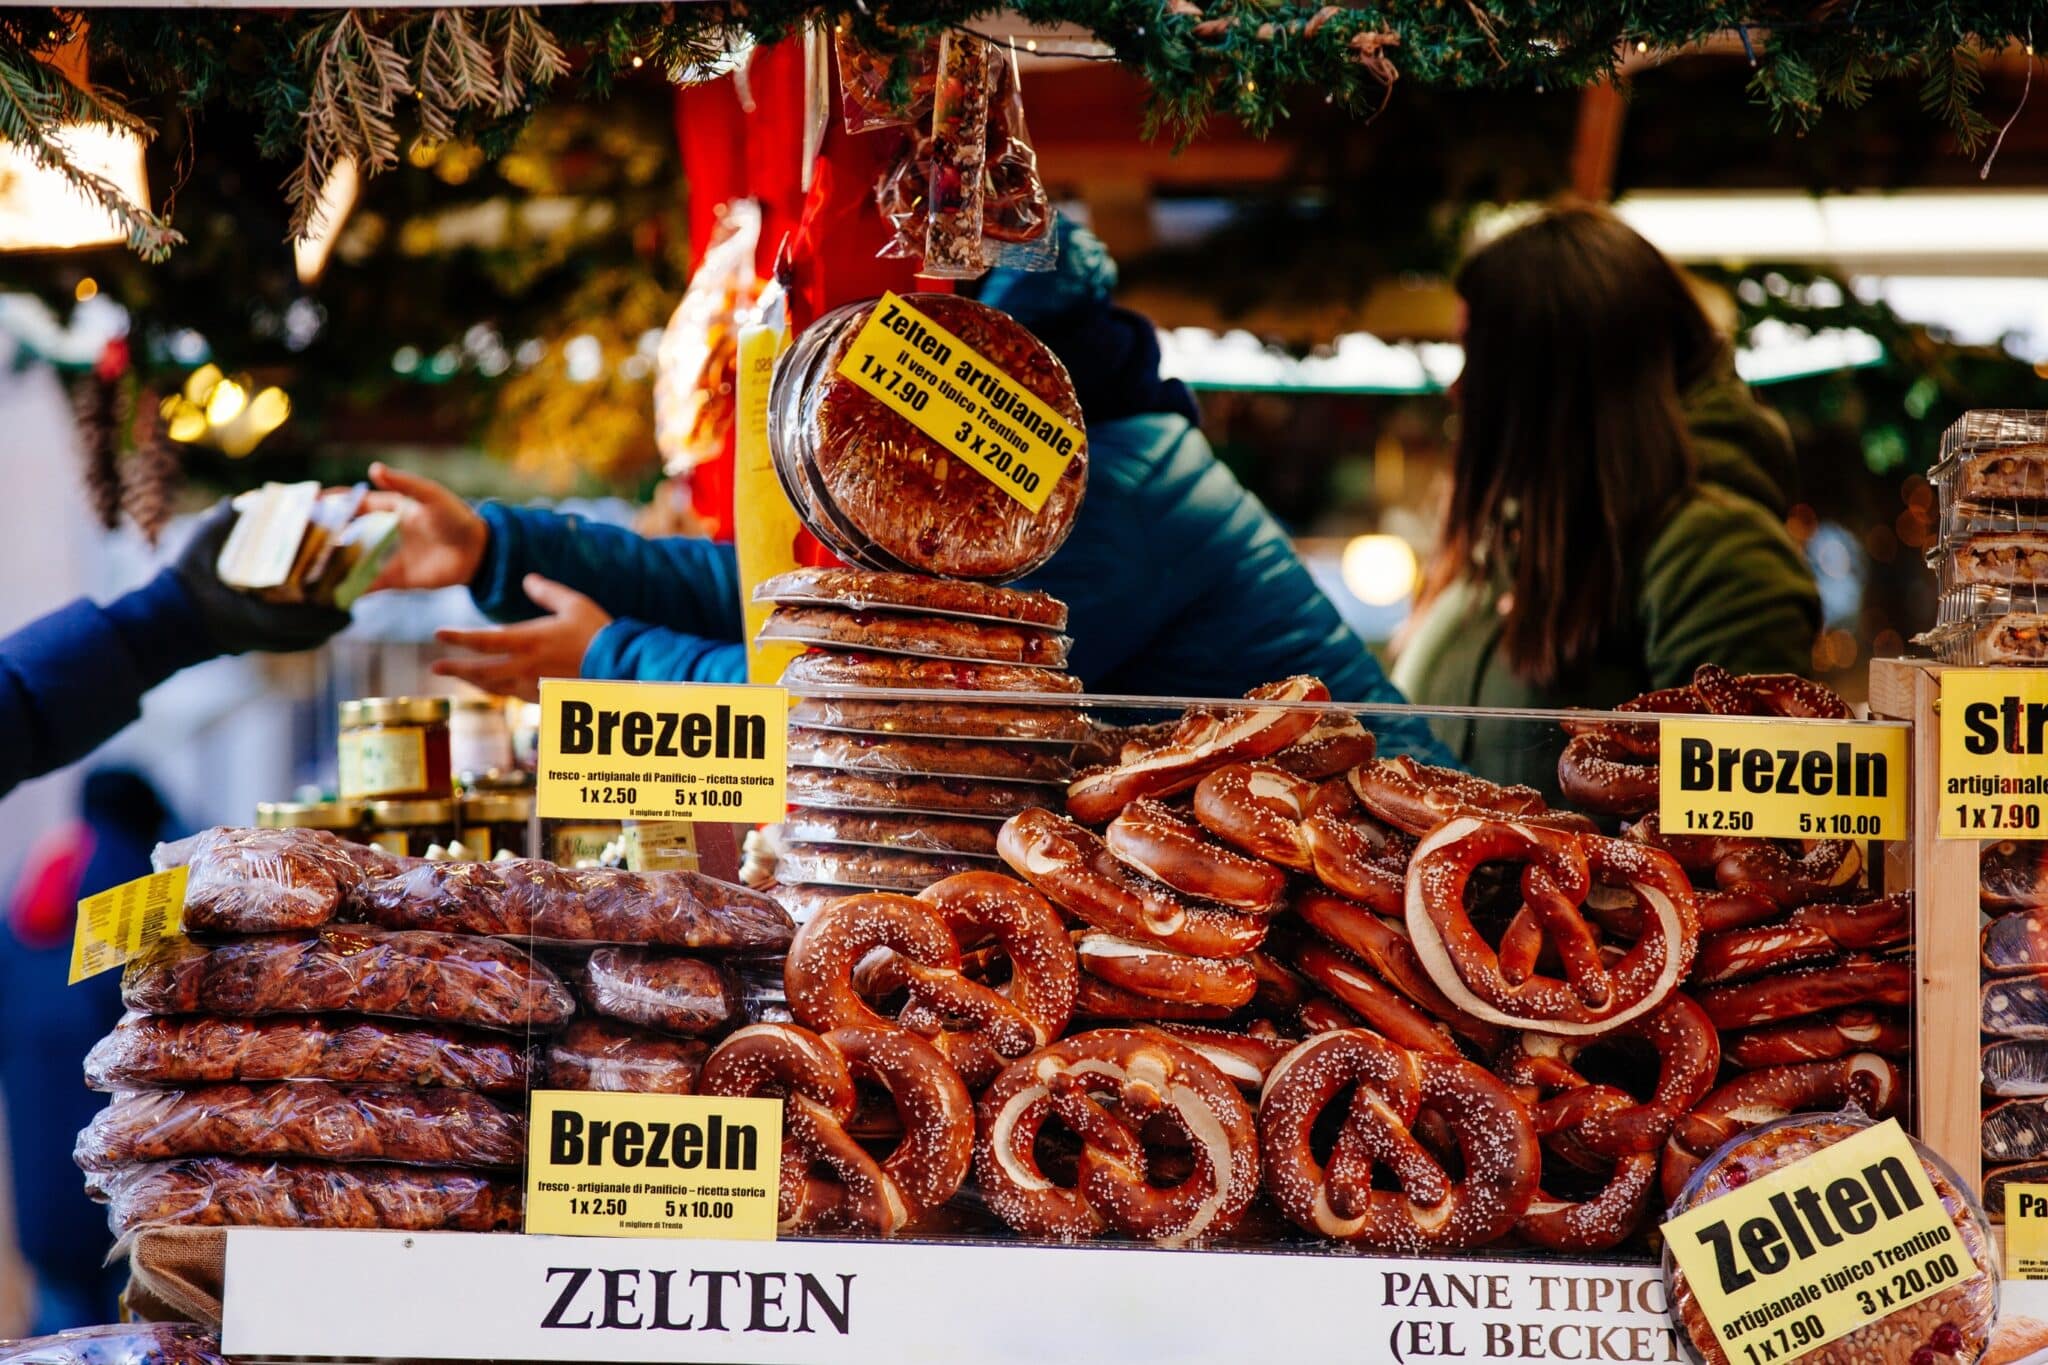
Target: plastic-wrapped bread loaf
{"points": [[661, 991], [157, 1050], [228, 1192], [313, 1119], [597, 1054], [521, 897], [264, 881], [445, 978], [137, 1343]]}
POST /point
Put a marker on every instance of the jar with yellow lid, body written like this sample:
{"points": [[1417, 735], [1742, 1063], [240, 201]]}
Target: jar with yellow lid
{"points": [[408, 829], [497, 822], [395, 749], [342, 817]]}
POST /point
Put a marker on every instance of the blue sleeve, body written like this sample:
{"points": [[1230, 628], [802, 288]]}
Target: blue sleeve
{"points": [[70, 680], [634, 651], [681, 582]]}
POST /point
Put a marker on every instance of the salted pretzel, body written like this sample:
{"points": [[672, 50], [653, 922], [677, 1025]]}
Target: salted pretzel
{"points": [[1611, 767], [1244, 1058], [1382, 944], [1610, 1215], [1855, 980], [1321, 1014], [1099, 1002], [1383, 1009], [1281, 988], [1076, 871], [1161, 974], [1598, 991], [1812, 933], [1542, 1068], [819, 973], [1784, 873], [1106, 1087], [1336, 745], [1352, 853], [1258, 808], [1391, 1089], [1157, 842], [1204, 740], [814, 1075], [1873, 1083], [1813, 1040], [1416, 798]]}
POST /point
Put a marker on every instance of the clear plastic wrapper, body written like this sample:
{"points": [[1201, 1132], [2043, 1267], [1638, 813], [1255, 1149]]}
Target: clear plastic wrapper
{"points": [[598, 1054], [666, 992], [445, 978], [696, 382], [929, 637], [865, 78], [856, 668], [919, 757], [230, 1192], [259, 881], [959, 153], [403, 1125], [866, 589], [883, 495], [940, 719], [832, 790], [530, 898], [1970, 1305], [178, 1050], [876, 868], [911, 833], [128, 1343], [1016, 215]]}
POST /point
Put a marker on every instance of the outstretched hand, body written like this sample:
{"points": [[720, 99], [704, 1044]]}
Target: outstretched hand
{"points": [[441, 539], [516, 657]]}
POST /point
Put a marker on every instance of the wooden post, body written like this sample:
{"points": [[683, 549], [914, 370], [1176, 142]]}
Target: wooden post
{"points": [[1596, 144]]}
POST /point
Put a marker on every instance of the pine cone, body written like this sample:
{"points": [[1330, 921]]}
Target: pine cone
{"points": [[94, 405], [151, 476]]}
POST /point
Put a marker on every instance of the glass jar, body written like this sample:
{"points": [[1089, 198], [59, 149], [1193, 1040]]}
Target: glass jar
{"points": [[661, 845], [407, 829], [395, 749], [570, 843], [497, 822], [342, 817], [479, 737]]}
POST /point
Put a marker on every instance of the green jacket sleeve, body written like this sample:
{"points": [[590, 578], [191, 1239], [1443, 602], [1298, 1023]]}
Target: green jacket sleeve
{"points": [[1724, 583]]}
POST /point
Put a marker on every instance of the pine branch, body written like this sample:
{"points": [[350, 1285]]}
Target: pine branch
{"points": [[358, 77], [532, 59], [456, 72]]}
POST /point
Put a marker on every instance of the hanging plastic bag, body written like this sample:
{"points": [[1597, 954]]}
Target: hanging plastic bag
{"points": [[694, 367]]}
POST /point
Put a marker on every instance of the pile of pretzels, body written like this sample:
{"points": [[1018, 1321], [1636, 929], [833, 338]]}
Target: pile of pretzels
{"points": [[1295, 990]]}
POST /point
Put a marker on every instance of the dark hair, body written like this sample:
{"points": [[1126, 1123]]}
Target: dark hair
{"points": [[1579, 338]]}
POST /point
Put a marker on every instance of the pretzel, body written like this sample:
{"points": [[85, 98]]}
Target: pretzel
{"points": [[1281, 988], [1612, 768], [1504, 986], [1615, 910], [1790, 995], [1204, 740], [1150, 1078], [1611, 1215], [1762, 868], [1156, 842], [1383, 1009], [818, 975], [1812, 933], [1098, 1000], [1766, 694], [1831, 1035], [1352, 853], [1076, 871], [815, 1076], [1543, 1068], [1258, 808], [1043, 972], [1243, 1058], [1391, 1089], [1336, 745], [1865, 1079], [1157, 974], [1416, 798], [1321, 1014], [1383, 945]]}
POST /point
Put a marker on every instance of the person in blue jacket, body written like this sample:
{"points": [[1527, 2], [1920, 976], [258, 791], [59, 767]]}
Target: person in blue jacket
{"points": [[1178, 581], [72, 679]]}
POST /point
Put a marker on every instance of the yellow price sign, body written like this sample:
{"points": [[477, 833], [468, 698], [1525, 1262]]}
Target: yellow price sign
{"points": [[615, 1165], [125, 921], [1815, 1250], [764, 525], [662, 751], [1994, 753], [2026, 1232], [1781, 779], [961, 399]]}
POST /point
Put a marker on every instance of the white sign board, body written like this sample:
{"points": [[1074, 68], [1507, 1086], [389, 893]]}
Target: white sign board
{"points": [[474, 1296]]}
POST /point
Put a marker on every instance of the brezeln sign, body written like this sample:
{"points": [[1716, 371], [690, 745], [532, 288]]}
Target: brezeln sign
{"points": [[662, 751], [1812, 1251], [125, 921], [958, 397], [1994, 753], [2026, 1232], [1808, 779], [614, 1165]]}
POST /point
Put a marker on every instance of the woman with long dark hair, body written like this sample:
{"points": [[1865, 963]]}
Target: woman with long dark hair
{"points": [[1617, 502]]}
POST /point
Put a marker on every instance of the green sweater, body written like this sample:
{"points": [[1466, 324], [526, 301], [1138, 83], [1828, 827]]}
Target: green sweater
{"points": [[1721, 582]]}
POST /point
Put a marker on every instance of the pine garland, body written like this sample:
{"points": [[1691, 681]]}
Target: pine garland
{"points": [[329, 85]]}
